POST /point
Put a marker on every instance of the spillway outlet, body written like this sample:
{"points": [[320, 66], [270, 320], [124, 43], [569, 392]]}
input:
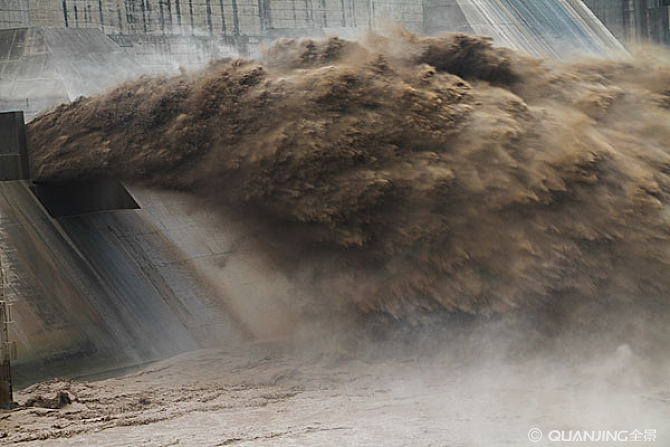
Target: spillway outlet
{"points": [[62, 199]]}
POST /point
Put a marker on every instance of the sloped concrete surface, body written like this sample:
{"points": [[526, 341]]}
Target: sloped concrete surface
{"points": [[42, 67], [100, 291], [548, 28]]}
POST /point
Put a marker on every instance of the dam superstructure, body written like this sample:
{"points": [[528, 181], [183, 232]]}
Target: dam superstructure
{"points": [[240, 22]]}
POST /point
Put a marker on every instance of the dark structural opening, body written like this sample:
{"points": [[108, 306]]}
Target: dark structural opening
{"points": [[71, 198], [13, 154]]}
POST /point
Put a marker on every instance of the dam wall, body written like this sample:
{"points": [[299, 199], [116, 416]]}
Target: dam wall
{"points": [[53, 59], [102, 277], [635, 20], [226, 18], [41, 67], [240, 21], [554, 28]]}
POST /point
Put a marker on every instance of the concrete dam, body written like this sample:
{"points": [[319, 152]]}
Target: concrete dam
{"points": [[242, 23], [104, 276], [51, 52]]}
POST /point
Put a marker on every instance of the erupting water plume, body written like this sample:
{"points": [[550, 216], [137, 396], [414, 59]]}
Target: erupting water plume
{"points": [[408, 174]]}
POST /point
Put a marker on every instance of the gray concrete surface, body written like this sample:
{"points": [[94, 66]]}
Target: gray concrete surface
{"points": [[632, 20], [42, 67], [103, 287], [554, 28], [100, 291]]}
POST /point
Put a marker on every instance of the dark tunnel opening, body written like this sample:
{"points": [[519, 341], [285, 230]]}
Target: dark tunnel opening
{"points": [[78, 197]]}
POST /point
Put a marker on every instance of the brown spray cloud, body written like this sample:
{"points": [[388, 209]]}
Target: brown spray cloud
{"points": [[410, 174]]}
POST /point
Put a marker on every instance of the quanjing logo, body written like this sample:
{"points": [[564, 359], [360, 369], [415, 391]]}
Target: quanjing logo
{"points": [[535, 435]]}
